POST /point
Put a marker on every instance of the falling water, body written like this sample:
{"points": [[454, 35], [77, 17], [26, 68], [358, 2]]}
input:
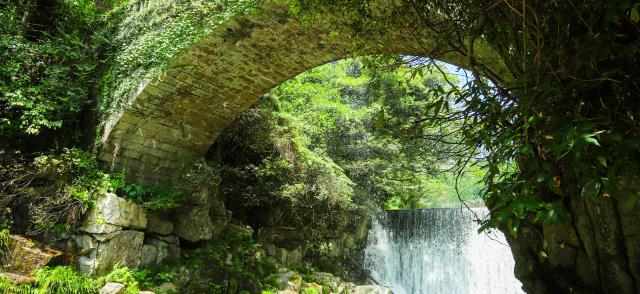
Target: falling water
{"points": [[439, 251]]}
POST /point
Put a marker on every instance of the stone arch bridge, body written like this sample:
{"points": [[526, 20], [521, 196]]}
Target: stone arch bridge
{"points": [[174, 119]]}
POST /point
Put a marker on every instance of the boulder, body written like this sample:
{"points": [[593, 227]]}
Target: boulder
{"points": [[158, 225], [149, 254], [289, 280], [87, 263], [113, 288], [110, 211], [18, 280], [25, 255], [124, 249], [193, 223], [372, 289], [163, 250]]}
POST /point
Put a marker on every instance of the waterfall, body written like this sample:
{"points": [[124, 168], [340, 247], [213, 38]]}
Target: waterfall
{"points": [[437, 251]]}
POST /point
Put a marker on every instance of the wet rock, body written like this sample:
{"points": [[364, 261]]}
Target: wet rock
{"points": [[113, 288], [372, 289], [18, 279], [115, 211], [158, 225], [26, 255]]}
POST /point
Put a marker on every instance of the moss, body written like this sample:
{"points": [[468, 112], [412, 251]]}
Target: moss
{"points": [[154, 34]]}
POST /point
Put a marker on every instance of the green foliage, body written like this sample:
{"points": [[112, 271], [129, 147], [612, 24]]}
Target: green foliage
{"points": [[54, 190], [125, 276], [154, 198], [50, 58], [63, 279], [4, 243], [202, 174], [274, 168], [219, 267], [79, 173], [7, 287]]}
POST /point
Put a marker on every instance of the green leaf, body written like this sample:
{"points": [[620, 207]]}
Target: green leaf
{"points": [[526, 149], [513, 225], [591, 188], [591, 140], [438, 107], [602, 161], [635, 16]]}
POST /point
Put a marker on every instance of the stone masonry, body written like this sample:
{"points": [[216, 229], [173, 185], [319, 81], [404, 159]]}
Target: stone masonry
{"points": [[175, 118]]}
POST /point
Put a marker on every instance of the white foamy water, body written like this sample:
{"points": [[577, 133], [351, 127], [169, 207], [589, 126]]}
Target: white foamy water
{"points": [[439, 251]]}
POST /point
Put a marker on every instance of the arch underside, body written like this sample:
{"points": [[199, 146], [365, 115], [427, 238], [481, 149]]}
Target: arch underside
{"points": [[175, 118]]}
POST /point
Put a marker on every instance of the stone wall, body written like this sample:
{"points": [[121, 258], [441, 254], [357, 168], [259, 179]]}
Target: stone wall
{"points": [[119, 232]]}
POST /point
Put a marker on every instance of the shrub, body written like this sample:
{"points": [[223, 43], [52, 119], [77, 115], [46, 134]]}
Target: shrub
{"points": [[64, 279], [154, 198], [54, 190]]}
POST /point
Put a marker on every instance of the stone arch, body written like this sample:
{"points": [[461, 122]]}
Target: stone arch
{"points": [[176, 117]]}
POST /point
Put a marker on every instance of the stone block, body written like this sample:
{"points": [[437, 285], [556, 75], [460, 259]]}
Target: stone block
{"points": [[122, 250], [149, 254], [85, 244], [111, 210], [159, 225], [193, 224]]}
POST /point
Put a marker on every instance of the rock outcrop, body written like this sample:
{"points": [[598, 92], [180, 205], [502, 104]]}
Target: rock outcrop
{"points": [[112, 211], [25, 255]]}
